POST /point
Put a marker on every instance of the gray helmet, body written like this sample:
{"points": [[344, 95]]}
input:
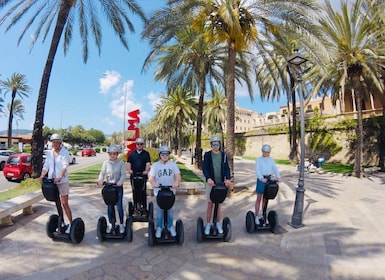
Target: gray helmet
{"points": [[215, 139], [139, 140], [112, 149], [164, 149], [55, 136], [266, 148]]}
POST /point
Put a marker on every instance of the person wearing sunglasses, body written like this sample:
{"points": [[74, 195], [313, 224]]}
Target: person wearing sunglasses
{"points": [[166, 173], [216, 169]]}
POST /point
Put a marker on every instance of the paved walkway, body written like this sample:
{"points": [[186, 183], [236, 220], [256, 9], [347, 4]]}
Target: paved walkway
{"points": [[343, 237]]}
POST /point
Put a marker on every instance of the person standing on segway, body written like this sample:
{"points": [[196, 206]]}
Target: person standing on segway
{"points": [[265, 167], [215, 167], [166, 173], [55, 166], [139, 163], [114, 171]]}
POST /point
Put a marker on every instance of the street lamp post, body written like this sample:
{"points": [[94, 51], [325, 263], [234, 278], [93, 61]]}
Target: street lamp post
{"points": [[295, 62]]}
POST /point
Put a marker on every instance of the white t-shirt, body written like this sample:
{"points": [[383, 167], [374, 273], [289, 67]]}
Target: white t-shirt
{"points": [[164, 174]]}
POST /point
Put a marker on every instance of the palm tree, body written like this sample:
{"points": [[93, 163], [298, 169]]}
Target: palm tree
{"points": [[64, 12], [176, 109], [355, 57], [18, 87]]}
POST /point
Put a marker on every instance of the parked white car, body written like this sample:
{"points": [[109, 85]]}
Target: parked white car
{"points": [[4, 154], [72, 157]]}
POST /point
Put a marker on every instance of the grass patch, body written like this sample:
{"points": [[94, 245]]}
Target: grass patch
{"points": [[87, 175], [188, 175], [26, 186]]}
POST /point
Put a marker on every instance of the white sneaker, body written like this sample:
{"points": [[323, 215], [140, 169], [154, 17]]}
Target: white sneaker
{"points": [[121, 228], [172, 231], [109, 228], [207, 229], [257, 221], [158, 232], [68, 230], [219, 227]]}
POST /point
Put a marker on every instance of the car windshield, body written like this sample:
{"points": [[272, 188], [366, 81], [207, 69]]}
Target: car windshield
{"points": [[13, 160]]}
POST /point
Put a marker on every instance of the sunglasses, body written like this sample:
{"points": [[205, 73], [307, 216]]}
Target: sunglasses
{"points": [[140, 144], [164, 154], [215, 144]]}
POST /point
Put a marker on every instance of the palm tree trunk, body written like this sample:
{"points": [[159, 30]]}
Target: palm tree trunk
{"points": [[10, 119], [198, 149], [230, 94], [37, 136], [381, 141]]}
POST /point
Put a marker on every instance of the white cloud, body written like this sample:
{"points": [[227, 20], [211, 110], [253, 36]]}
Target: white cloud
{"points": [[110, 79], [154, 100], [107, 121]]}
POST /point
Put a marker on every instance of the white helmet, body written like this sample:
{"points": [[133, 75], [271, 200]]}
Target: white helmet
{"points": [[55, 136], [139, 140], [112, 149], [164, 149], [266, 148], [215, 139]]}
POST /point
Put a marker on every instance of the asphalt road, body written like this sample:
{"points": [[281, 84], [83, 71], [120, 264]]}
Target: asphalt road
{"points": [[81, 162]]}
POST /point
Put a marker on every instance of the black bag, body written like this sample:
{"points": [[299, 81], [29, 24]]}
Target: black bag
{"points": [[271, 190], [50, 190], [110, 194], [165, 198], [218, 193]]}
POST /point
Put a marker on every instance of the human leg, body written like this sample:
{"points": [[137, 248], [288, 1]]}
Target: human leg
{"points": [[120, 204]]}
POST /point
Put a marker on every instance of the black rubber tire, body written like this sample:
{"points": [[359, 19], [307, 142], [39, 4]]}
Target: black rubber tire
{"points": [[130, 208], [250, 222], [180, 231], [199, 230], [151, 233], [226, 224], [101, 229], [129, 232], [77, 231], [150, 213], [52, 225], [272, 217]]}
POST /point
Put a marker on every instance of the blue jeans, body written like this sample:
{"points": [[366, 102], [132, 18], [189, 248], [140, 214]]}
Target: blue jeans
{"points": [[119, 205], [159, 217]]}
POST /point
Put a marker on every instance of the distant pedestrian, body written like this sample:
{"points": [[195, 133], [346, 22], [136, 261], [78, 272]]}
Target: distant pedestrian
{"points": [[265, 168], [216, 169]]}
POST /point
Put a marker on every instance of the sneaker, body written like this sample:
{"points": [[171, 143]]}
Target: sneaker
{"points": [[121, 228], [172, 231], [109, 228], [219, 227], [158, 232], [207, 229], [257, 221], [68, 230]]}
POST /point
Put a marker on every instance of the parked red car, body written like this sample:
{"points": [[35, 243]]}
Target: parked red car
{"points": [[88, 152], [18, 167]]}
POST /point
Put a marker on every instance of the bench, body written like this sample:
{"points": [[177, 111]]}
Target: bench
{"points": [[190, 187], [22, 202], [371, 170]]}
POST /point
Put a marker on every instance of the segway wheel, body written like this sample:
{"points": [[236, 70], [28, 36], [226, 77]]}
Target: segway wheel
{"points": [[150, 213], [272, 217], [199, 230], [77, 231], [101, 229], [151, 233], [130, 208], [52, 225], [129, 229], [180, 231], [226, 229], [250, 222]]}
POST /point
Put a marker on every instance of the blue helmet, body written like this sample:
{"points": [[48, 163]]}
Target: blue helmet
{"points": [[266, 148]]}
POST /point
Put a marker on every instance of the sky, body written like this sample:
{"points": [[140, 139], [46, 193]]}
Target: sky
{"points": [[98, 94]]}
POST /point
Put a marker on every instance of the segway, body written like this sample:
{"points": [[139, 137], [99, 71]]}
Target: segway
{"points": [[217, 195], [165, 200], [55, 227], [271, 223], [138, 210], [110, 197]]}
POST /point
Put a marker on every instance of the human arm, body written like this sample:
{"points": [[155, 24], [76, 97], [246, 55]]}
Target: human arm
{"points": [[276, 172], [258, 170], [128, 167], [102, 174], [227, 171], [122, 176], [147, 168], [206, 169]]}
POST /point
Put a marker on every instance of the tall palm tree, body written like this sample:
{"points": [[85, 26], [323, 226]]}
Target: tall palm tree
{"points": [[177, 108], [17, 86], [355, 57], [65, 13]]}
